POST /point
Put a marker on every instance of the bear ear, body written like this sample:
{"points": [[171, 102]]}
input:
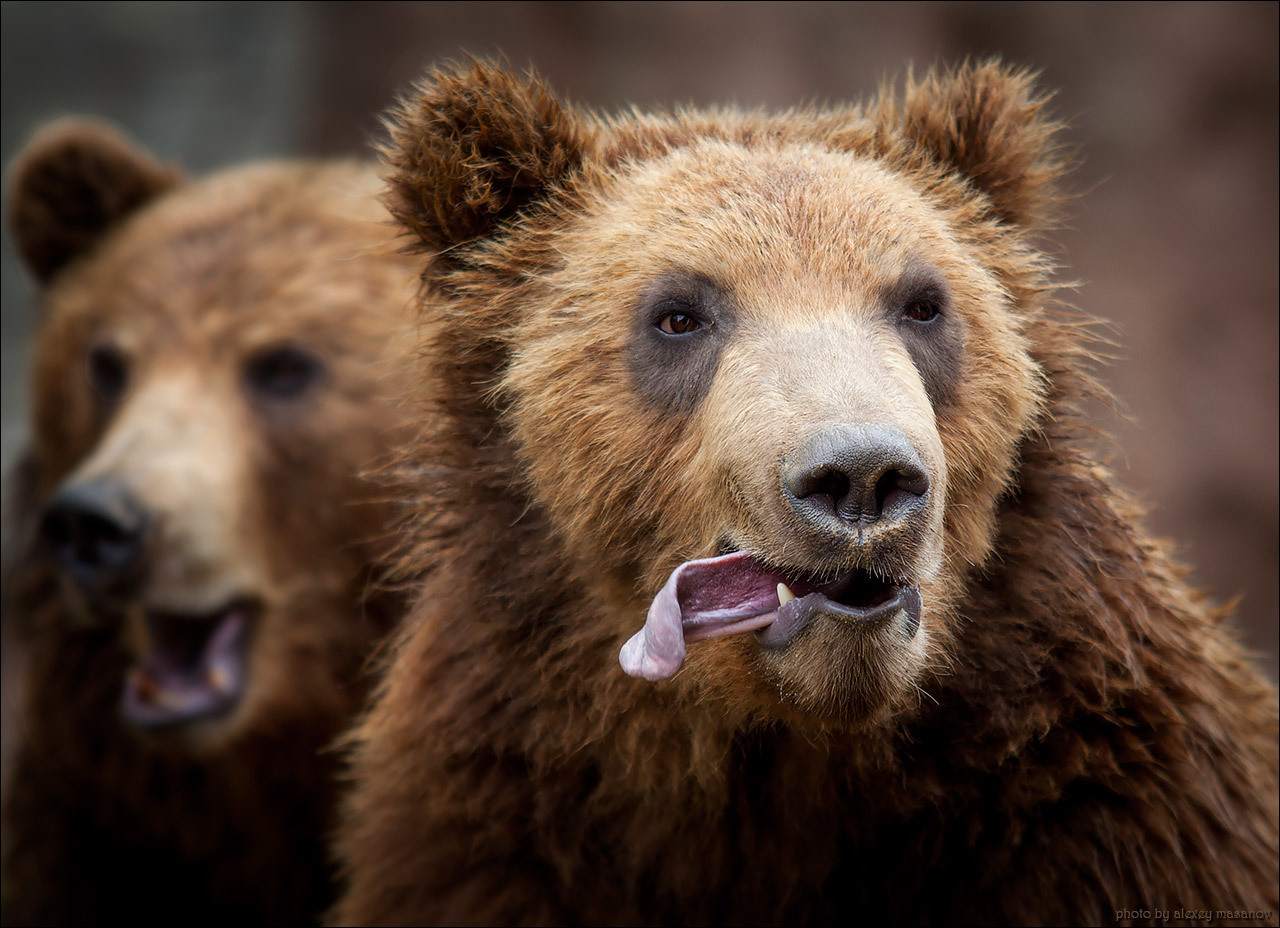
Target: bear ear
{"points": [[74, 181], [472, 147], [987, 122]]}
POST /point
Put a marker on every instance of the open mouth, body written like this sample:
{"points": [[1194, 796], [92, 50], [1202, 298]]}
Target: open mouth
{"points": [[193, 667], [736, 592]]}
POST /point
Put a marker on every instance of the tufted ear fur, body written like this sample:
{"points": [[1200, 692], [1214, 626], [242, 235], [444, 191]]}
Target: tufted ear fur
{"points": [[987, 122], [471, 147], [74, 181]]}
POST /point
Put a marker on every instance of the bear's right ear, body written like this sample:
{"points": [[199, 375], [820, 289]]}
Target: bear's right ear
{"points": [[74, 181], [471, 148], [987, 122]]}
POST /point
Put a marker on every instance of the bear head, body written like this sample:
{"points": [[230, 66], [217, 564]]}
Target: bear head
{"points": [[215, 366], [764, 376]]}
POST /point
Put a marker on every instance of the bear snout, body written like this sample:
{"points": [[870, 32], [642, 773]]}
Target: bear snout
{"points": [[855, 484]]}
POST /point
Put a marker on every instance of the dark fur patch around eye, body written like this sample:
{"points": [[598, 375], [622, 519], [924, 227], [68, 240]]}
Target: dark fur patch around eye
{"points": [[920, 306], [108, 372], [673, 370], [283, 374]]}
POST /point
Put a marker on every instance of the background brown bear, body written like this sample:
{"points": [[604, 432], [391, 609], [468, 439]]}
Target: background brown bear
{"points": [[218, 363], [805, 375]]}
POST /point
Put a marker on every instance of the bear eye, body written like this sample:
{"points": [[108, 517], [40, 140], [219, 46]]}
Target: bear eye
{"points": [[678, 324], [921, 311], [285, 372], [108, 372]]}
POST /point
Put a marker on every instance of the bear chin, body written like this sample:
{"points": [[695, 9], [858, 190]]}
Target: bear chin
{"points": [[848, 672]]}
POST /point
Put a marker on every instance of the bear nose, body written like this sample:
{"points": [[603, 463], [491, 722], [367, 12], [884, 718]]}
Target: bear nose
{"points": [[96, 530], [856, 476]]}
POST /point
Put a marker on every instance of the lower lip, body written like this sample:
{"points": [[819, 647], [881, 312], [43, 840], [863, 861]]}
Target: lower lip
{"points": [[793, 617]]}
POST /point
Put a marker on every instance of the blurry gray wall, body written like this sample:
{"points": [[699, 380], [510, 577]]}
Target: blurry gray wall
{"points": [[1173, 108]]}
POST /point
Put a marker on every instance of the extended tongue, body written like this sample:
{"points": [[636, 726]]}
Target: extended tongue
{"points": [[701, 599]]}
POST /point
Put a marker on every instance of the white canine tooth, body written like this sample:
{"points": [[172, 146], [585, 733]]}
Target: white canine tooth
{"points": [[784, 594]]}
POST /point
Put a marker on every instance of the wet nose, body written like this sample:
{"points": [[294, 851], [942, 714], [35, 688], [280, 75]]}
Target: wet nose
{"points": [[856, 477], [96, 531]]}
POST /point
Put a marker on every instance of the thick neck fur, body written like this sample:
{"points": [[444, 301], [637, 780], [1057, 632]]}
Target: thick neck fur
{"points": [[121, 824]]}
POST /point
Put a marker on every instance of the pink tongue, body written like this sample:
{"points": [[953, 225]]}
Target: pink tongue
{"points": [[702, 599]]}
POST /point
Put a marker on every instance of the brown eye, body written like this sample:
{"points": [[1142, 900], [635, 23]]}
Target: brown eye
{"points": [[283, 373], [678, 324], [921, 311], [108, 373]]}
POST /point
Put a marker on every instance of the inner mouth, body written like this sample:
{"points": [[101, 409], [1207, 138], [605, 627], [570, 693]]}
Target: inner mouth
{"points": [[736, 592], [860, 589], [192, 668]]}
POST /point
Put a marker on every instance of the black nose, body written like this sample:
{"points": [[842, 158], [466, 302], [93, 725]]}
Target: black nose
{"points": [[854, 477], [96, 531]]}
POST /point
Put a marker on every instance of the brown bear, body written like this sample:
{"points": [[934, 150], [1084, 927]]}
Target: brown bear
{"points": [[217, 363], [800, 385]]}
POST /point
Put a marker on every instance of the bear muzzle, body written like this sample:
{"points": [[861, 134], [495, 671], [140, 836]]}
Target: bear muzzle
{"points": [[186, 613], [848, 542]]}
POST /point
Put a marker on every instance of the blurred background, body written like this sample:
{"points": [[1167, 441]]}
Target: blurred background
{"points": [[1173, 110]]}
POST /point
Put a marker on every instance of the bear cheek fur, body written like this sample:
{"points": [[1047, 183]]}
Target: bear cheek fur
{"points": [[807, 349]]}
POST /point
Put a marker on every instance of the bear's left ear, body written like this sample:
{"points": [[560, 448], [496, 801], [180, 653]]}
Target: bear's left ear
{"points": [[471, 149], [74, 181], [987, 122]]}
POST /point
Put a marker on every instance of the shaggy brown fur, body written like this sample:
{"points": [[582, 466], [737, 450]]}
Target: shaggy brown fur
{"points": [[1070, 734], [222, 355]]}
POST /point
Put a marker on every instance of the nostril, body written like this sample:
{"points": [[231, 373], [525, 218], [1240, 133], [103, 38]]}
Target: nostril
{"points": [[825, 488], [886, 487], [898, 487]]}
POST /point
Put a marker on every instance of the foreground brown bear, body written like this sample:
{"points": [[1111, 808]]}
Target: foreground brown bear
{"points": [[207, 388], [799, 377]]}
